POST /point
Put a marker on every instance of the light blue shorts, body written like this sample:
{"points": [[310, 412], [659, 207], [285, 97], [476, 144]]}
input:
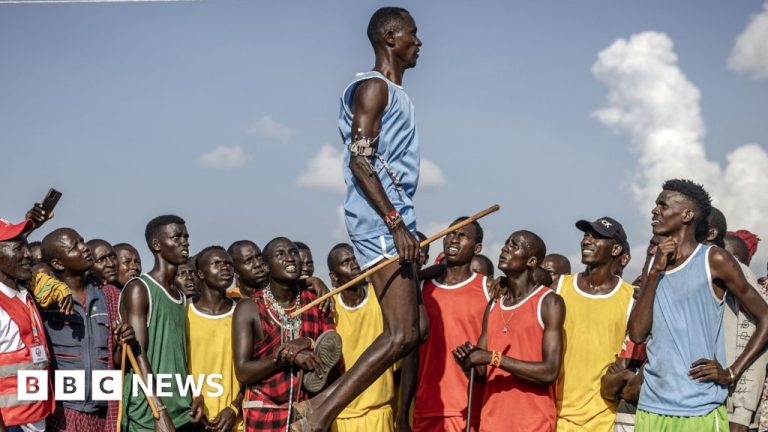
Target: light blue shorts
{"points": [[369, 252]]}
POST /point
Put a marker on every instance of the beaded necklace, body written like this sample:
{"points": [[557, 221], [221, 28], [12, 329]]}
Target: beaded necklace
{"points": [[289, 325]]}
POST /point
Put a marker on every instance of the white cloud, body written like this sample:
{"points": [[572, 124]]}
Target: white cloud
{"points": [[430, 176], [652, 101], [323, 171], [750, 54], [223, 157], [267, 127]]}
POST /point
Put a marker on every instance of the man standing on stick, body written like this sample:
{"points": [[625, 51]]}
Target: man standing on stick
{"points": [[681, 304], [381, 171]]}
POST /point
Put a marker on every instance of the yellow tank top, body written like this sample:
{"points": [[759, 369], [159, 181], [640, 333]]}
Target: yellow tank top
{"points": [[209, 340], [595, 328], [358, 327]]}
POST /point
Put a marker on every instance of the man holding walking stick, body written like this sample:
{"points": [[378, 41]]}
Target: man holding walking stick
{"points": [[381, 170]]}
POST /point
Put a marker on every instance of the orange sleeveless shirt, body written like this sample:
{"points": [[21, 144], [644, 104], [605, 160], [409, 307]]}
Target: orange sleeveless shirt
{"points": [[511, 404], [455, 316]]}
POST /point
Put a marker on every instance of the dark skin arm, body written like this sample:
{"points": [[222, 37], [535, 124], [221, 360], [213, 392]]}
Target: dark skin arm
{"points": [[38, 216], [542, 373], [431, 272], [614, 380], [726, 270], [134, 308], [641, 318], [631, 391], [123, 333], [225, 419], [370, 100], [246, 330], [409, 374]]}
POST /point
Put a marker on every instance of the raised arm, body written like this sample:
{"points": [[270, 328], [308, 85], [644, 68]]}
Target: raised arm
{"points": [[641, 318], [370, 100]]}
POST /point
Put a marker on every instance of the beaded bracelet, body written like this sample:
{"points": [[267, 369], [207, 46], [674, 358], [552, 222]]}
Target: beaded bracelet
{"points": [[495, 359]]}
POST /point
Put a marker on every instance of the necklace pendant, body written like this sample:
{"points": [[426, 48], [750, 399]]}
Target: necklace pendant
{"points": [[504, 329]]}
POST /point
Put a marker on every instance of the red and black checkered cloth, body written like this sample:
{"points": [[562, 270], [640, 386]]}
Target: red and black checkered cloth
{"points": [[112, 297], [275, 389]]}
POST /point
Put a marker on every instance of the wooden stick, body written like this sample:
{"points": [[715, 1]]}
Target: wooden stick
{"points": [[136, 370], [395, 258], [469, 398], [122, 374]]}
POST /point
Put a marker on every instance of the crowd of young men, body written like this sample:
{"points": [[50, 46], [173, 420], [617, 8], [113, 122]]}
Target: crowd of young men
{"points": [[566, 353]]}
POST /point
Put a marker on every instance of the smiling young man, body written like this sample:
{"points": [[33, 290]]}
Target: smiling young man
{"points": [[251, 270], [80, 340], [23, 344], [598, 303], [307, 262], [556, 265], [272, 349], [681, 305], [454, 303], [520, 349], [157, 311], [359, 321], [381, 170], [209, 336], [128, 263]]}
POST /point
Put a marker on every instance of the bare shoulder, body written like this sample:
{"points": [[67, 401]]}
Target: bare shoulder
{"points": [[246, 308], [371, 95]]}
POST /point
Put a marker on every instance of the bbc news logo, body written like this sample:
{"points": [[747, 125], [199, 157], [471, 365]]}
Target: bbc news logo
{"points": [[107, 385]]}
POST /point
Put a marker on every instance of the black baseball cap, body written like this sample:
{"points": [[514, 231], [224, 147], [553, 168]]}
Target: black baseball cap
{"points": [[606, 227]]}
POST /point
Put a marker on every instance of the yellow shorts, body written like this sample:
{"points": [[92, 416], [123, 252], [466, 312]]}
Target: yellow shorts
{"points": [[375, 420]]}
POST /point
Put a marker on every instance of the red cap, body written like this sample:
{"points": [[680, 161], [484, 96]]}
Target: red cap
{"points": [[9, 230]]}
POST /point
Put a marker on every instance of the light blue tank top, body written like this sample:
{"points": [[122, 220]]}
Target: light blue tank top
{"points": [[687, 326], [398, 146]]}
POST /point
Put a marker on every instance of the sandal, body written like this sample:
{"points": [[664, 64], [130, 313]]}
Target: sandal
{"points": [[328, 350]]}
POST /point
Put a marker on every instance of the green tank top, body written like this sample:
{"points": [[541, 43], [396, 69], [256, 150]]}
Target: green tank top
{"points": [[167, 354]]}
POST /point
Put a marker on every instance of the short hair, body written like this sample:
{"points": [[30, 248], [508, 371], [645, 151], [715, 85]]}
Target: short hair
{"points": [[34, 243], [476, 224], [563, 260], [120, 246], [534, 245], [48, 247], [332, 252], [155, 224], [485, 263], [302, 246], [237, 244], [386, 19], [717, 221], [700, 198], [737, 247], [96, 240], [268, 247], [201, 255]]}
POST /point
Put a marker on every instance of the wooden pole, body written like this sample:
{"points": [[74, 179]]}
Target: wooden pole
{"points": [[120, 402], [136, 370], [395, 258]]}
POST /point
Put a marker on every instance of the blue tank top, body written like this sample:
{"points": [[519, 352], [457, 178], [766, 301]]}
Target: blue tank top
{"points": [[398, 156], [687, 326]]}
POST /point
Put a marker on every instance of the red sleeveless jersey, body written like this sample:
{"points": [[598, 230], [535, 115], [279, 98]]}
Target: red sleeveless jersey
{"points": [[517, 332], [455, 316]]}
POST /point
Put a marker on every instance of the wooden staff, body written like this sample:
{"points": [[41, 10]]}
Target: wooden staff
{"points": [[395, 258], [120, 402], [469, 397], [136, 370]]}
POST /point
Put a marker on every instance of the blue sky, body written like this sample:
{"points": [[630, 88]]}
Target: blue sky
{"points": [[118, 104]]}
